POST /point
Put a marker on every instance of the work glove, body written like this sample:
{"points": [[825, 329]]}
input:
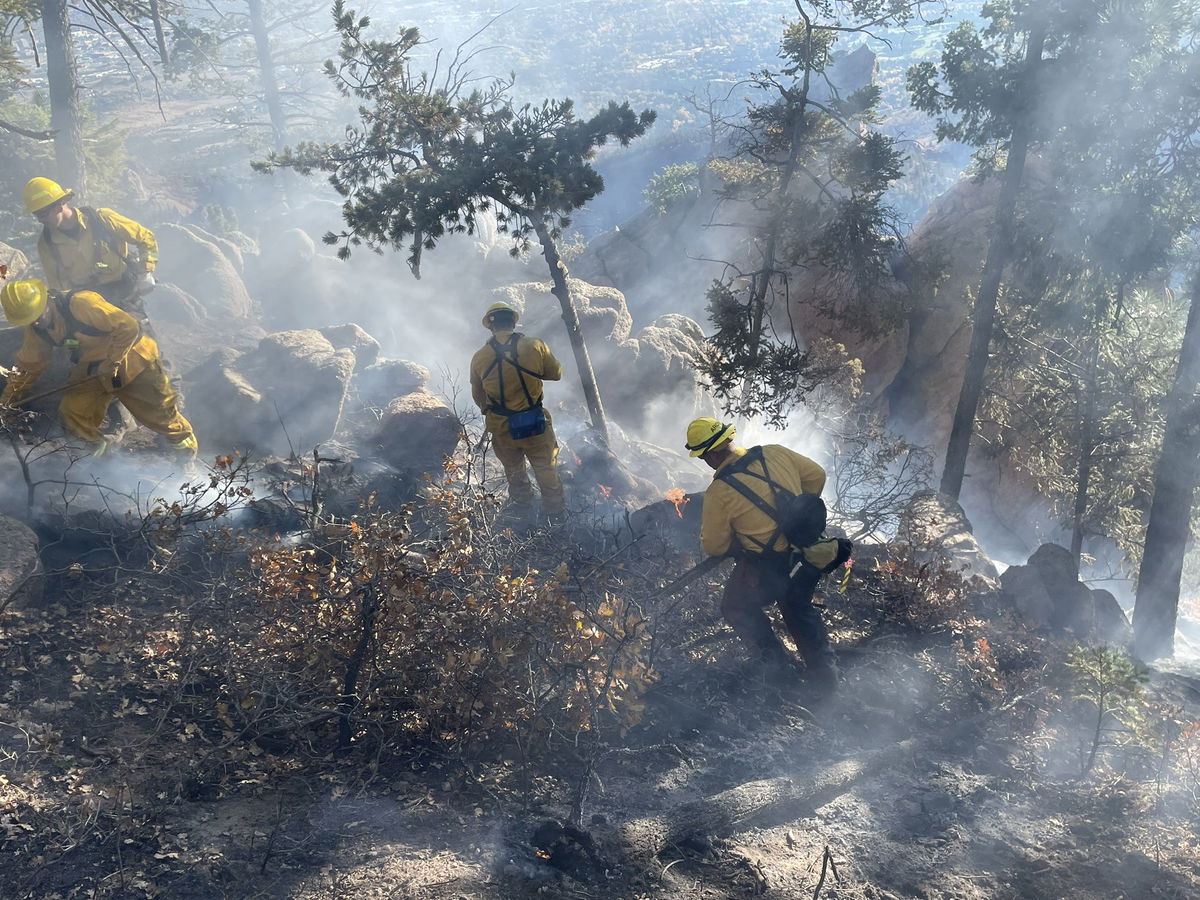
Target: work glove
{"points": [[145, 284]]}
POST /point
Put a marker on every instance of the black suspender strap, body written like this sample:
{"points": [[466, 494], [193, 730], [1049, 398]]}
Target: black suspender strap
{"points": [[62, 304], [742, 467], [507, 353]]}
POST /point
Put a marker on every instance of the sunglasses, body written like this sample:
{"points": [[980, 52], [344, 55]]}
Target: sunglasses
{"points": [[43, 214]]}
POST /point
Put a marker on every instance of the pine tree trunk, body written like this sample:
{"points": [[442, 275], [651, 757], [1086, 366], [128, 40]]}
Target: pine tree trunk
{"points": [[270, 87], [266, 68], [561, 290], [999, 251], [1175, 479], [160, 38], [1087, 450], [63, 79]]}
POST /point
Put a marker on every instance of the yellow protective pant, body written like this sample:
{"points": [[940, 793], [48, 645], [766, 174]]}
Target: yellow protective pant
{"points": [[149, 397], [541, 452]]}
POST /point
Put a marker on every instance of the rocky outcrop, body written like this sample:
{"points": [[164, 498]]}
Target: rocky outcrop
{"points": [[203, 270], [297, 286], [379, 384], [19, 564], [286, 394], [17, 262], [350, 337], [603, 315], [234, 250], [416, 433], [935, 528], [1047, 594], [656, 363]]}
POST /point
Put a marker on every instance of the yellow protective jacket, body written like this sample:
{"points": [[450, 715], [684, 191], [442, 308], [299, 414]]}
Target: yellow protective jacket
{"points": [[727, 515], [110, 340], [85, 259], [496, 384]]}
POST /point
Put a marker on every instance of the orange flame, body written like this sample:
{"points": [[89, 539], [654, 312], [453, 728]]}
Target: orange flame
{"points": [[542, 854], [679, 498], [605, 490]]}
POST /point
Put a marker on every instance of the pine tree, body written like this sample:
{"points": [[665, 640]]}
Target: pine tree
{"points": [[814, 172], [429, 156]]}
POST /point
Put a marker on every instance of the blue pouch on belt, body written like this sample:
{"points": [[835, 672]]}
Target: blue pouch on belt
{"points": [[527, 423]]}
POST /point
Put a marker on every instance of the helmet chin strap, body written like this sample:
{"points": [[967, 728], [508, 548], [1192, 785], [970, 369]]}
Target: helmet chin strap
{"points": [[710, 443]]}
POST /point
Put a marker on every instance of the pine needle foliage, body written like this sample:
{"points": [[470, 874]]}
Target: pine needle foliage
{"points": [[431, 153], [814, 170]]}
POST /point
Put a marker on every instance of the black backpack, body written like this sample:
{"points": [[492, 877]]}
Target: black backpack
{"points": [[800, 518]]}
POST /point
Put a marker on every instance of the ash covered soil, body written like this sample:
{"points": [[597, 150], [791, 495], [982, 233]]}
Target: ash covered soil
{"points": [[946, 767]]}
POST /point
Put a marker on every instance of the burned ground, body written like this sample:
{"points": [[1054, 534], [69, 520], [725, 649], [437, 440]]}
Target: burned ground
{"points": [[949, 765]]}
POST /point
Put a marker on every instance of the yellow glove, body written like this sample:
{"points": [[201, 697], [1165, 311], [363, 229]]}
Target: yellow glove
{"points": [[822, 553]]}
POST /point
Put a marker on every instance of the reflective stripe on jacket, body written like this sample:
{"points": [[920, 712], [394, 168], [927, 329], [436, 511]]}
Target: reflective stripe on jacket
{"points": [[532, 354], [727, 514], [82, 259]]}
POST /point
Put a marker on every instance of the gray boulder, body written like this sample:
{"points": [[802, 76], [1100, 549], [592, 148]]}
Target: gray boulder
{"points": [[1047, 593], [935, 527], [1112, 626], [171, 303], [19, 564], [416, 433], [287, 394], [17, 262], [203, 270], [350, 337], [379, 384]]}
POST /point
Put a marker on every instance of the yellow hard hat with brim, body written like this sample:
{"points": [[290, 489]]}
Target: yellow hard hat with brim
{"points": [[706, 434], [24, 301], [42, 192], [495, 308]]}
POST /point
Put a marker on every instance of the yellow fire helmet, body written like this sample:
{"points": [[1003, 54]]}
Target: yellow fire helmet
{"points": [[706, 434], [24, 301], [42, 192], [495, 308]]}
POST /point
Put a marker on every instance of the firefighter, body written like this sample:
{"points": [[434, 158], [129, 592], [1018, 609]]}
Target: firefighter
{"points": [[111, 356], [98, 250], [506, 384], [740, 518]]}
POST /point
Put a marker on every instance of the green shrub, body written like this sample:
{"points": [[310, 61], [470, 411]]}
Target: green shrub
{"points": [[671, 186]]}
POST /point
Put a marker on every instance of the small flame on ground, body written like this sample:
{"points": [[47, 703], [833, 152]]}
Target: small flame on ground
{"points": [[680, 498], [605, 490]]}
